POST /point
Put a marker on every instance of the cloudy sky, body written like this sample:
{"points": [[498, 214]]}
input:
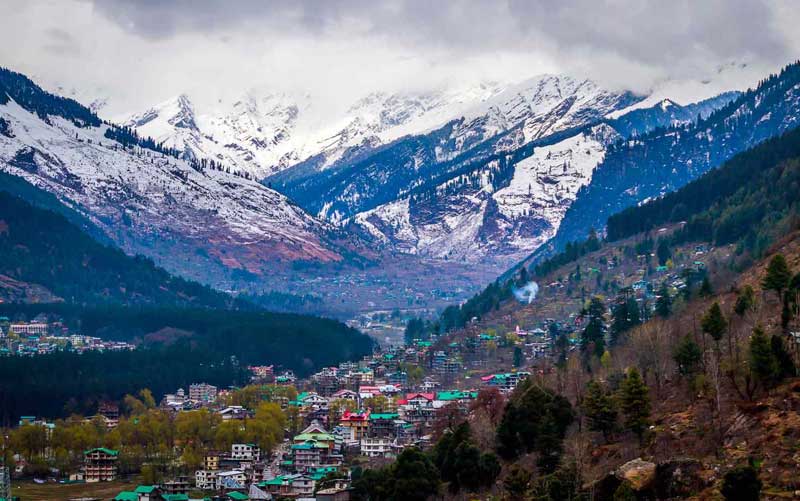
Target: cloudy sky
{"points": [[140, 52]]}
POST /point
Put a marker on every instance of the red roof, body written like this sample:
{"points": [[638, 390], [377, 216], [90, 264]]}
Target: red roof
{"points": [[426, 396], [355, 416]]}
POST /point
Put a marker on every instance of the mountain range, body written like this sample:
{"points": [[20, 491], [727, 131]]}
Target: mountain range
{"points": [[268, 196]]}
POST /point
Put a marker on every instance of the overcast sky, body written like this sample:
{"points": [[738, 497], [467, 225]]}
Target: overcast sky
{"points": [[138, 53]]}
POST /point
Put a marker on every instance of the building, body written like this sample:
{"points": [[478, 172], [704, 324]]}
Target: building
{"points": [[31, 329], [506, 382], [100, 465], [297, 485], [202, 392], [205, 480], [378, 447], [357, 422], [178, 485], [246, 452], [211, 461], [383, 425], [230, 479]]}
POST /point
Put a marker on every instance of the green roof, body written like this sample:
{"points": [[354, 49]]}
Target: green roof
{"points": [[110, 452], [325, 437], [175, 497], [392, 415], [455, 395], [145, 489], [275, 481], [127, 496], [237, 495]]}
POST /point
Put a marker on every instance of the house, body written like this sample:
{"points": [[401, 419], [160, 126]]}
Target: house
{"points": [[233, 412], [345, 395], [338, 493], [247, 452], [148, 492], [383, 425], [230, 479], [357, 422], [202, 392], [205, 480], [383, 447], [297, 485], [507, 381], [178, 485], [100, 465]]}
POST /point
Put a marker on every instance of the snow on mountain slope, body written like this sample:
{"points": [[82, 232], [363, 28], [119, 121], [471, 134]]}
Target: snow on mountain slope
{"points": [[481, 221], [156, 205], [264, 132], [521, 114]]}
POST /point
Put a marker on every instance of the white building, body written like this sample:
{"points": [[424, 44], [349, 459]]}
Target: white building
{"points": [[31, 329], [205, 480], [383, 447], [232, 479], [248, 452], [202, 392]]}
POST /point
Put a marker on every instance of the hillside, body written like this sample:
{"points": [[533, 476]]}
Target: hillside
{"points": [[43, 248], [664, 160], [146, 199], [698, 308]]}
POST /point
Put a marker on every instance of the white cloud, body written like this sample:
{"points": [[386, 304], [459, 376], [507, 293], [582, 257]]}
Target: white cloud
{"points": [[140, 52]]}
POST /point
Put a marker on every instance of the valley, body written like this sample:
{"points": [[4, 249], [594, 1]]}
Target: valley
{"points": [[525, 272]]}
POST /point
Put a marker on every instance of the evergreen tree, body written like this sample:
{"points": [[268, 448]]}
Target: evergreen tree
{"points": [[741, 484], [687, 356], [762, 361], [517, 483], [663, 302], [600, 409], [705, 288], [533, 420], [713, 322], [518, 356], [783, 358], [635, 403], [593, 335], [663, 252], [745, 300], [778, 275]]}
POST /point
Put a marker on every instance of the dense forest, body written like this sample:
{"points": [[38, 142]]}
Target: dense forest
{"points": [[667, 159], [747, 197], [178, 346], [43, 247], [87, 379]]}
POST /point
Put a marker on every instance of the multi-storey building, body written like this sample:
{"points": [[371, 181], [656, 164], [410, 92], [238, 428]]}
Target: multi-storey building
{"points": [[100, 465], [202, 392]]}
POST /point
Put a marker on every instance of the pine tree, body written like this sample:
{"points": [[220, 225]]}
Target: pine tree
{"points": [[594, 333], [762, 361], [635, 403], [778, 275], [687, 356], [783, 358], [663, 302], [713, 322], [600, 409], [744, 300], [705, 288], [663, 252]]}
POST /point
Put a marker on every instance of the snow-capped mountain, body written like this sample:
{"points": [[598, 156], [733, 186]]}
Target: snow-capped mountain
{"points": [[189, 218], [489, 216], [508, 205], [664, 160], [519, 115], [263, 132]]}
